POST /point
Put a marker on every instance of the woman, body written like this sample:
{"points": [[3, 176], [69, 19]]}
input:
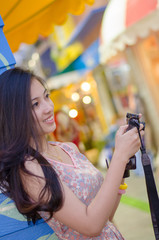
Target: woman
{"points": [[53, 179]]}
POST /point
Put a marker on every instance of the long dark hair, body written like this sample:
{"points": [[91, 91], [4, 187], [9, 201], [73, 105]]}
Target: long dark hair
{"points": [[17, 128]]}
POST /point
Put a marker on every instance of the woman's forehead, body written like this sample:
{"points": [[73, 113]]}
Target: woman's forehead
{"points": [[36, 88]]}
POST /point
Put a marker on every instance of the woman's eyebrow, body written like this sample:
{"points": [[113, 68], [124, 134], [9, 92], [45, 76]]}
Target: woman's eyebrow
{"points": [[45, 90]]}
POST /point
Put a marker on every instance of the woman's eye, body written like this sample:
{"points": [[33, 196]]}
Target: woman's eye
{"points": [[47, 95], [35, 104]]}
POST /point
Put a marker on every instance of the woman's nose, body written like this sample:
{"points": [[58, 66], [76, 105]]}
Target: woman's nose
{"points": [[48, 106]]}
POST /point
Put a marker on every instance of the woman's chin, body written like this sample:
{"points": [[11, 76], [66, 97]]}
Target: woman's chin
{"points": [[54, 127], [48, 130]]}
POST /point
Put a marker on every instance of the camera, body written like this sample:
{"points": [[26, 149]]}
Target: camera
{"points": [[132, 121]]}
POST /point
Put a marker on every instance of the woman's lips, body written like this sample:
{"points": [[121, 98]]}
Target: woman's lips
{"points": [[50, 119]]}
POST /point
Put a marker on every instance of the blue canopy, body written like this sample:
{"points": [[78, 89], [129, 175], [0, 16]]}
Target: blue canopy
{"points": [[7, 59]]}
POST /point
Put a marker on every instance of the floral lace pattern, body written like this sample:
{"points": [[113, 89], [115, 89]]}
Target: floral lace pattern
{"points": [[85, 181]]}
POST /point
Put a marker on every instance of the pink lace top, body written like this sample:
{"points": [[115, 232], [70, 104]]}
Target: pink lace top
{"points": [[84, 180]]}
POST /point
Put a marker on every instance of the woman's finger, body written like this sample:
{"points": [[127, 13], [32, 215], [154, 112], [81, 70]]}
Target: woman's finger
{"points": [[122, 129], [142, 126]]}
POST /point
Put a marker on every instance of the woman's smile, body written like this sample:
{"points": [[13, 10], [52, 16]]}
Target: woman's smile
{"points": [[43, 108], [49, 119]]}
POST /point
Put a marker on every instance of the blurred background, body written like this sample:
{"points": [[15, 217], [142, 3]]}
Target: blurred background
{"points": [[100, 60]]}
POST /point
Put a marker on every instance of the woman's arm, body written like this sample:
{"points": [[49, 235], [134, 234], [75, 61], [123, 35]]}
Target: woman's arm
{"points": [[90, 220], [116, 204], [118, 195]]}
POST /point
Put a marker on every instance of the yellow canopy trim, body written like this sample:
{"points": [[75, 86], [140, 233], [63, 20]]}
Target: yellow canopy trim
{"points": [[26, 20]]}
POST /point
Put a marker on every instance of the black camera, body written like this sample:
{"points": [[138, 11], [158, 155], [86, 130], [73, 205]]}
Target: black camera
{"points": [[132, 121]]}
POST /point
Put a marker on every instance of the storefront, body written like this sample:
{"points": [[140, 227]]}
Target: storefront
{"points": [[143, 58], [130, 54], [80, 101], [83, 97]]}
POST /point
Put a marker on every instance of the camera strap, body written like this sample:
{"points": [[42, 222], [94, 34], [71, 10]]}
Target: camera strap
{"points": [[151, 188]]}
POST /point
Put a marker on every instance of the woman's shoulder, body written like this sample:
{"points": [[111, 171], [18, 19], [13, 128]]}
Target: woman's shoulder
{"points": [[33, 178], [33, 166], [72, 145]]}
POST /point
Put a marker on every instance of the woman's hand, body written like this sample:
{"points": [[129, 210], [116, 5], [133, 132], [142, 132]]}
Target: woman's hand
{"points": [[127, 143]]}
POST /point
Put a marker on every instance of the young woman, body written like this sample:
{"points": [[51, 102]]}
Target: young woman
{"points": [[52, 179]]}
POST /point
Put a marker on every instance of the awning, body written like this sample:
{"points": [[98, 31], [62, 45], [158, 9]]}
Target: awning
{"points": [[88, 60], [25, 20], [125, 21], [90, 24], [84, 63], [7, 60]]}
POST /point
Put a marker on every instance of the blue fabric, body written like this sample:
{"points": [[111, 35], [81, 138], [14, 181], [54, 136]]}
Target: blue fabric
{"points": [[14, 226], [7, 59]]}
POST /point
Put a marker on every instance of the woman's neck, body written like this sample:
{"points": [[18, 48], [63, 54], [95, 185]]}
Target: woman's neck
{"points": [[44, 146]]}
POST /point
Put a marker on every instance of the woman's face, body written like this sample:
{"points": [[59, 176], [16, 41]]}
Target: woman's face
{"points": [[42, 107]]}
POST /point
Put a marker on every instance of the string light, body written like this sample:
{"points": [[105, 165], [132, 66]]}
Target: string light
{"points": [[35, 56], [73, 113], [85, 86], [31, 63], [86, 99], [75, 96]]}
